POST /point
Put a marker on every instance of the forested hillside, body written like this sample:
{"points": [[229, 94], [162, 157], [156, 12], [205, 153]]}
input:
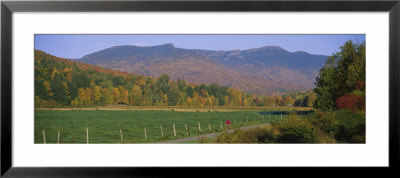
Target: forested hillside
{"points": [[62, 82]]}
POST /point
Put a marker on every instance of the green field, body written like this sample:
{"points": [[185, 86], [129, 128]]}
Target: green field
{"points": [[104, 126]]}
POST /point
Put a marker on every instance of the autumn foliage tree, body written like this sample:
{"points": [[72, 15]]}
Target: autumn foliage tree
{"points": [[350, 102]]}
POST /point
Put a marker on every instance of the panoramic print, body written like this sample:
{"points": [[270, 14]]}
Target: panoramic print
{"points": [[193, 89]]}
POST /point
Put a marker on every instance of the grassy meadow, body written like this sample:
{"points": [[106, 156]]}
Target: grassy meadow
{"points": [[104, 125]]}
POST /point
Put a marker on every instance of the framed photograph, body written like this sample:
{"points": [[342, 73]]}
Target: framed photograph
{"points": [[111, 88]]}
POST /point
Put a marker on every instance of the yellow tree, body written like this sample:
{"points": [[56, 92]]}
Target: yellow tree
{"points": [[141, 80], [131, 100], [209, 101], [236, 97], [121, 91], [108, 98], [288, 101], [240, 96], [212, 100], [75, 102], [97, 94], [189, 101], [116, 95], [181, 98], [165, 100], [195, 99], [47, 88], [203, 93], [245, 102], [92, 84], [137, 93], [81, 96], [226, 100], [278, 101], [55, 71], [88, 92], [126, 95], [68, 73], [244, 99], [67, 91]]}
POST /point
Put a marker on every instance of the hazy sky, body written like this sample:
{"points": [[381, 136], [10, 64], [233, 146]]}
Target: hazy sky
{"points": [[76, 46]]}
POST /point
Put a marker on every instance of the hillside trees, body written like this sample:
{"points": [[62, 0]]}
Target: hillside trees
{"points": [[306, 99], [62, 82]]}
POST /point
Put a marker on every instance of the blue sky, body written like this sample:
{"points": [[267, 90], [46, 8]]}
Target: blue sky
{"points": [[76, 46]]}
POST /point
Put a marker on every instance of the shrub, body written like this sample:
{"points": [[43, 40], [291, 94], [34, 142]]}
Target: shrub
{"points": [[294, 130], [256, 135], [202, 139], [350, 127], [344, 125], [325, 121], [350, 102]]}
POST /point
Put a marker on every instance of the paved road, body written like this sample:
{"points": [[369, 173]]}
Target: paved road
{"points": [[188, 139]]}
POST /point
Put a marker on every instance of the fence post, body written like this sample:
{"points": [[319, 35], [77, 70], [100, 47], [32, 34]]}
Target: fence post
{"points": [[87, 135], [122, 139], [58, 137], [220, 127], [247, 119], [173, 125], [187, 133], [281, 116], [162, 133], [209, 127], [145, 133], [44, 137], [199, 126]]}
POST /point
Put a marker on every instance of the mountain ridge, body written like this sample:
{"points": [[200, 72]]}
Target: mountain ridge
{"points": [[268, 69]]}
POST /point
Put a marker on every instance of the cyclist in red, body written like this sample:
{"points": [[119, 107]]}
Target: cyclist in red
{"points": [[228, 124]]}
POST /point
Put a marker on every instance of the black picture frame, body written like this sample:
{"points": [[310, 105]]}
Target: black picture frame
{"points": [[8, 7]]}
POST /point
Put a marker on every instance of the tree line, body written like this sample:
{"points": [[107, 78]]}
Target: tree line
{"points": [[61, 82]]}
